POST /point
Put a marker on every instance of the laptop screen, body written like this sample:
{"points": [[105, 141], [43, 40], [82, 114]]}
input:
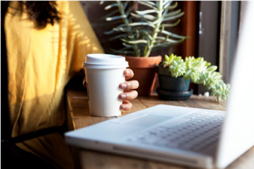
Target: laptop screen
{"points": [[237, 132]]}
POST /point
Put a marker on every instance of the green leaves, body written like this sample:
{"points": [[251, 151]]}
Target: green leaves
{"points": [[212, 68], [101, 2], [145, 28], [177, 67], [200, 72], [134, 41], [148, 4], [169, 59], [146, 12], [111, 6], [115, 18]]}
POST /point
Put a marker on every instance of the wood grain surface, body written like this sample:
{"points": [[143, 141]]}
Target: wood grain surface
{"points": [[78, 117]]}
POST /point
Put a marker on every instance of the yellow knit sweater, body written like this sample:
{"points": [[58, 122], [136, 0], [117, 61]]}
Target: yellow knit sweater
{"points": [[40, 63]]}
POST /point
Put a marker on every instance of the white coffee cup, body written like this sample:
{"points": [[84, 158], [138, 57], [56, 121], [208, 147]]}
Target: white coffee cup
{"points": [[104, 73]]}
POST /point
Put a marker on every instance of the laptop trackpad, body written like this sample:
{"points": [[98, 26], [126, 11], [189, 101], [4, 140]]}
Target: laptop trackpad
{"points": [[148, 120]]}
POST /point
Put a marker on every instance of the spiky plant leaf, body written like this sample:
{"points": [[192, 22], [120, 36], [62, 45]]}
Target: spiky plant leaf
{"points": [[134, 41], [146, 12], [145, 29], [173, 24], [111, 6]]}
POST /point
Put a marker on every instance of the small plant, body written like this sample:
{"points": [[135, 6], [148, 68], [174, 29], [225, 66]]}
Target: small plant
{"points": [[141, 31], [200, 72]]}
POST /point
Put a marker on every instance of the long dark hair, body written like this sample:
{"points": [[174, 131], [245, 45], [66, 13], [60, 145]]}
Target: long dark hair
{"points": [[42, 12]]}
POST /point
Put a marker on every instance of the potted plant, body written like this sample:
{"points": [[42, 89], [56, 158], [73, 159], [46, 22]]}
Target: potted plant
{"points": [[141, 32], [175, 75]]}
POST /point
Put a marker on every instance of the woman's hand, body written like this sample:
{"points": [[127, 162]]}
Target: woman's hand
{"points": [[128, 87]]}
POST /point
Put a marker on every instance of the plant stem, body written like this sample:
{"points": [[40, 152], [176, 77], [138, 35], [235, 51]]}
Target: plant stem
{"points": [[155, 30], [126, 22]]}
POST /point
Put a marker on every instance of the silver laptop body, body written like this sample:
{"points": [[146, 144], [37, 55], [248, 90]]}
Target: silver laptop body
{"points": [[189, 136]]}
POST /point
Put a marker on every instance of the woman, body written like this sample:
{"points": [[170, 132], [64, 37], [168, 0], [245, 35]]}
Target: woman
{"points": [[46, 43]]}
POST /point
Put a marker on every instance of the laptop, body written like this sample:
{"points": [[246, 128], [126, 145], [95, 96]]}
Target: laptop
{"points": [[188, 136]]}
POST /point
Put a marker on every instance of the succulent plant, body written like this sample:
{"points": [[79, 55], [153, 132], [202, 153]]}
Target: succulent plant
{"points": [[141, 31], [200, 72]]}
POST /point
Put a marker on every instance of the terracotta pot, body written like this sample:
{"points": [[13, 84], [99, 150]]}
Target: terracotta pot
{"points": [[144, 69]]}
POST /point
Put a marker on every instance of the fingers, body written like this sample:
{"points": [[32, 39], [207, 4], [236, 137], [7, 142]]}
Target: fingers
{"points": [[133, 84], [128, 95], [126, 105], [128, 73]]}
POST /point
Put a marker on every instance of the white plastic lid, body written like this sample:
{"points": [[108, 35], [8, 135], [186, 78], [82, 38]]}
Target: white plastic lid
{"points": [[105, 61]]}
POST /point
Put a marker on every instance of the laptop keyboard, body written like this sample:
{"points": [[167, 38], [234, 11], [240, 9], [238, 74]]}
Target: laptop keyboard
{"points": [[198, 132]]}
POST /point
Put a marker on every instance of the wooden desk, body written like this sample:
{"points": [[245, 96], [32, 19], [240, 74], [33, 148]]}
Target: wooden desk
{"points": [[78, 117]]}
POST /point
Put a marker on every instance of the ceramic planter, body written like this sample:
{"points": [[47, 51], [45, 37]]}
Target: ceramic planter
{"points": [[172, 88], [144, 69]]}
